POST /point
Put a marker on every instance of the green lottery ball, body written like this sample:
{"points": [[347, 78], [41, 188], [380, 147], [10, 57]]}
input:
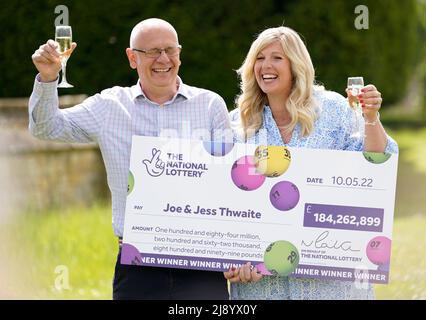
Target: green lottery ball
{"points": [[281, 258], [130, 183], [376, 157]]}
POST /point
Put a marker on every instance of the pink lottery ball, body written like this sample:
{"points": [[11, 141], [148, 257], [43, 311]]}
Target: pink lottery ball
{"points": [[244, 174], [284, 195], [378, 250]]}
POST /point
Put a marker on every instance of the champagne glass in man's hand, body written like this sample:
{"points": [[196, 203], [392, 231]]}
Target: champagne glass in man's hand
{"points": [[63, 37], [47, 60]]}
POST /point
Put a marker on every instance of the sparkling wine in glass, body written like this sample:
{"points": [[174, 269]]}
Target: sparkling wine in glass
{"points": [[63, 36], [355, 84]]}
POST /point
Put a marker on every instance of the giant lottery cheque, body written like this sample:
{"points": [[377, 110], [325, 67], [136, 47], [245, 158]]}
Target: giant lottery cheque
{"points": [[289, 211]]}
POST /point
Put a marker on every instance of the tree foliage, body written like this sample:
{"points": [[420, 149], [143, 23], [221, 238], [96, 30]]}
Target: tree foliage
{"points": [[215, 35]]}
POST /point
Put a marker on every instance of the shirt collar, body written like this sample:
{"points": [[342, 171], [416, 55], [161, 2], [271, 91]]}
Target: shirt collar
{"points": [[183, 91]]}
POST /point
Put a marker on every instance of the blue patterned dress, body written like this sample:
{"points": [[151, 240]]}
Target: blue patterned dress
{"points": [[334, 129]]}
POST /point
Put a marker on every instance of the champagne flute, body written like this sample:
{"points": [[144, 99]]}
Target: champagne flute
{"points": [[63, 36], [355, 84]]}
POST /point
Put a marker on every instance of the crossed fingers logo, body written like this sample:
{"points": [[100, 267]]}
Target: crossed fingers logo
{"points": [[155, 166]]}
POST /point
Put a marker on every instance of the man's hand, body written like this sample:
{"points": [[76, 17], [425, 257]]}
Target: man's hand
{"points": [[46, 60]]}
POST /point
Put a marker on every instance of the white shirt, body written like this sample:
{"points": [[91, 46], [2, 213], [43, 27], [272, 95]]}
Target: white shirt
{"points": [[112, 117]]}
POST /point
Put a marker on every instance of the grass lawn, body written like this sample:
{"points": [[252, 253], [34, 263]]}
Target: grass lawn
{"points": [[60, 255], [408, 262], [82, 241]]}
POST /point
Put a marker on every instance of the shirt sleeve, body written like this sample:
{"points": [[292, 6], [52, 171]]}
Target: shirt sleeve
{"points": [[392, 146], [221, 126], [81, 123]]}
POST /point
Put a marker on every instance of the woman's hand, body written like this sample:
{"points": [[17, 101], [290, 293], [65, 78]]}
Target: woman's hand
{"points": [[232, 275], [243, 274], [371, 101], [375, 138]]}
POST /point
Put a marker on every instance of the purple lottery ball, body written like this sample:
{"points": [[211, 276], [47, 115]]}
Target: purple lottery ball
{"points": [[284, 195], [130, 255], [244, 174]]}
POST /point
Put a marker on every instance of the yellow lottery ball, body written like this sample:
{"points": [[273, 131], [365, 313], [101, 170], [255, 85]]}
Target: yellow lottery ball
{"points": [[272, 161]]}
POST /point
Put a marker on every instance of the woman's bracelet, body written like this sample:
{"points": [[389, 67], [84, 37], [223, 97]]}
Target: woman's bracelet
{"points": [[373, 123]]}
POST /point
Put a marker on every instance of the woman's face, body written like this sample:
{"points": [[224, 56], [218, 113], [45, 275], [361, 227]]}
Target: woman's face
{"points": [[273, 71]]}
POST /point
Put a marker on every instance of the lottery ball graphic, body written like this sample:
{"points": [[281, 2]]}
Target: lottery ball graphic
{"points": [[218, 149], [379, 250], [376, 157], [284, 195], [130, 183], [130, 255], [244, 174], [281, 258], [384, 267], [262, 269], [272, 161]]}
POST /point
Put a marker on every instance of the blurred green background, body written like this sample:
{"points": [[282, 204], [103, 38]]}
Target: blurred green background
{"points": [[215, 36]]}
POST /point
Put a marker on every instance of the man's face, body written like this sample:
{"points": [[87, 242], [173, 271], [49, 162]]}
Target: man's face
{"points": [[155, 74]]}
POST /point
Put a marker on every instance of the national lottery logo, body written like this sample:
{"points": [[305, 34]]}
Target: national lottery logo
{"points": [[172, 164], [154, 166]]}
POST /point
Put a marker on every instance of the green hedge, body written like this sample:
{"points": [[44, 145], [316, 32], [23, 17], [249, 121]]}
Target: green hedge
{"points": [[215, 35]]}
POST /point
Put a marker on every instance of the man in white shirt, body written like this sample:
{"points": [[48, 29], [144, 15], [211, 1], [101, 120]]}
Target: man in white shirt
{"points": [[159, 101]]}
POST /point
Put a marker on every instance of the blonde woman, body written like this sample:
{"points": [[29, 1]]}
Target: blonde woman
{"points": [[280, 104]]}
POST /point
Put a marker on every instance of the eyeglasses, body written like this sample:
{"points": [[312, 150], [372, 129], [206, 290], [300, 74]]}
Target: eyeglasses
{"points": [[156, 52]]}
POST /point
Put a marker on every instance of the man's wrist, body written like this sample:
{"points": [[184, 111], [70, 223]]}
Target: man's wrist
{"points": [[44, 78]]}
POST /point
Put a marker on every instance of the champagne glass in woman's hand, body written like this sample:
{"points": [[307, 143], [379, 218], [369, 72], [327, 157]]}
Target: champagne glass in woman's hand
{"points": [[63, 37], [355, 84]]}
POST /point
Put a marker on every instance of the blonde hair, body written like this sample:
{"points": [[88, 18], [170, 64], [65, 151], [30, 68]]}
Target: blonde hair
{"points": [[300, 104]]}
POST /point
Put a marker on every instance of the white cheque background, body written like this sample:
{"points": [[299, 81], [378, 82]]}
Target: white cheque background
{"points": [[216, 189]]}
